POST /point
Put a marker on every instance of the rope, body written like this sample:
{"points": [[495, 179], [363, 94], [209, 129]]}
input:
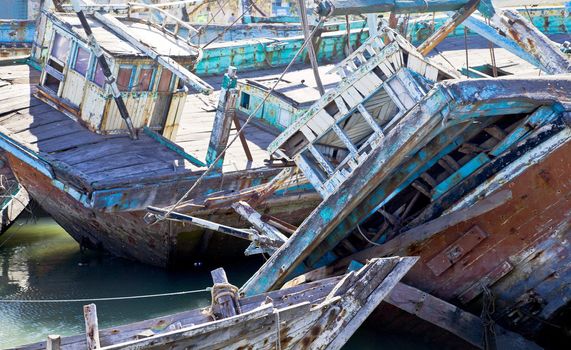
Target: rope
{"points": [[23, 301], [488, 308], [466, 50], [237, 135], [219, 290], [365, 237]]}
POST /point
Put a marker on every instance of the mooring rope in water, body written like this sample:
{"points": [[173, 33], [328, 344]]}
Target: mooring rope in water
{"points": [[24, 301]]}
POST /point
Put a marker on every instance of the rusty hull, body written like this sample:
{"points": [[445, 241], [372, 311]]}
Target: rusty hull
{"points": [[521, 252]]}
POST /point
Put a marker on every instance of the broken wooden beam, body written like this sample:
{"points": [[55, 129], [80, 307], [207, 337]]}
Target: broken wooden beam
{"points": [[454, 21], [461, 323], [238, 125], [253, 217], [531, 40], [53, 342], [222, 120], [181, 72]]}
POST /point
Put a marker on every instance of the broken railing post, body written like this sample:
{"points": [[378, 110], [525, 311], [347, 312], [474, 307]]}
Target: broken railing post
{"points": [[222, 119], [224, 294], [91, 326], [310, 47], [53, 342]]}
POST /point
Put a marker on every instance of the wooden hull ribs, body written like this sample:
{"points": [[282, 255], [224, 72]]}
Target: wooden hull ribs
{"points": [[470, 175]]}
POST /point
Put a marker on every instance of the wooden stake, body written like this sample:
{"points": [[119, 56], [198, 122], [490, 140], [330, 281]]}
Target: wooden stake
{"points": [[227, 307], [91, 326], [53, 342], [310, 48]]}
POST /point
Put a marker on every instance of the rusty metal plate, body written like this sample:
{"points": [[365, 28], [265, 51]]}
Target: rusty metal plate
{"points": [[454, 252]]}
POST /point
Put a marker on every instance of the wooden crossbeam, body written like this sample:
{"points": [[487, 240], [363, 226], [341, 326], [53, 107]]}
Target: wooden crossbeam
{"points": [[454, 21]]}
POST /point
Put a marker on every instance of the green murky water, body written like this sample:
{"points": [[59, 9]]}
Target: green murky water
{"points": [[40, 261]]}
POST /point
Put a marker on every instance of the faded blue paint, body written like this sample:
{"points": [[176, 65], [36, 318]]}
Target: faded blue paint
{"points": [[378, 197], [462, 173], [41, 165], [541, 116], [17, 33], [492, 35]]}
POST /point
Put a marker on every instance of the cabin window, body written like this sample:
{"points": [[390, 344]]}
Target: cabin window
{"points": [[99, 76], [165, 82], [145, 78], [245, 100], [60, 47], [81, 61], [124, 78]]}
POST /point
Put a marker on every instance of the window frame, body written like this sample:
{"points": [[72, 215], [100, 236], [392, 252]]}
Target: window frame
{"points": [[74, 60], [138, 75], [94, 72], [131, 78], [171, 81]]}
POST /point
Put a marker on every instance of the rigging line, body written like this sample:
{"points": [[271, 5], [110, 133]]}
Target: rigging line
{"points": [[146, 296], [211, 19], [239, 132], [366, 239], [219, 35]]}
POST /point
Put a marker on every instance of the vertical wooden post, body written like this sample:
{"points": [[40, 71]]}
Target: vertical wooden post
{"points": [[310, 48], [227, 307], [222, 121], [372, 23], [91, 326], [53, 342]]}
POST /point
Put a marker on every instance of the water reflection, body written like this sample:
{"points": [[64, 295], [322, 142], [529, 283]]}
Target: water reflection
{"points": [[41, 261]]}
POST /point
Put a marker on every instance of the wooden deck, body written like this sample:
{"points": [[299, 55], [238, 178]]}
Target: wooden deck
{"points": [[114, 159]]}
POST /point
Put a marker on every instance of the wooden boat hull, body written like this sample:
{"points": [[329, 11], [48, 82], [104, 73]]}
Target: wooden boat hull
{"points": [[165, 244], [517, 248], [520, 250]]}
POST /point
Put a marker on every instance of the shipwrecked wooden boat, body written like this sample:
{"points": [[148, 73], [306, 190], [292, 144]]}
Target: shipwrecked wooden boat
{"points": [[317, 315], [74, 149], [471, 175]]}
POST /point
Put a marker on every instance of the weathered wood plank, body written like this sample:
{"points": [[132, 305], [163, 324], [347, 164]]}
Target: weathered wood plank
{"points": [[91, 327], [423, 232], [452, 318]]}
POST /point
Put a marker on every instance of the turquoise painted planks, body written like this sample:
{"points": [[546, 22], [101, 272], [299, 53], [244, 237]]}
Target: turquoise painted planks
{"points": [[465, 171]]}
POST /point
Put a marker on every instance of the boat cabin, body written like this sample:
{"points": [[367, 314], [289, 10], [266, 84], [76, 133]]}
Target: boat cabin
{"points": [[73, 80], [291, 97]]}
